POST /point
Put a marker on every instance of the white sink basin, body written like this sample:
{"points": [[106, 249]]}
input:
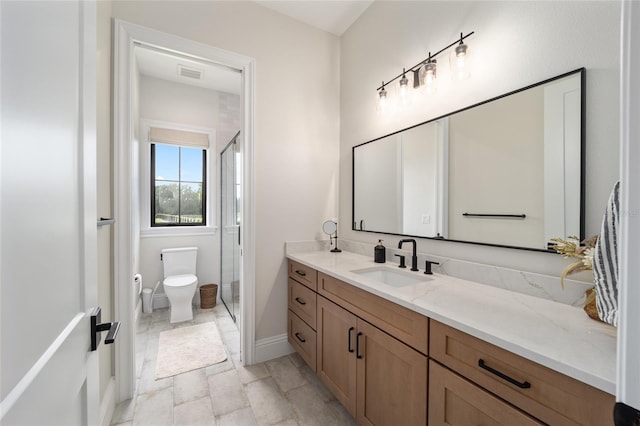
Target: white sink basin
{"points": [[392, 277]]}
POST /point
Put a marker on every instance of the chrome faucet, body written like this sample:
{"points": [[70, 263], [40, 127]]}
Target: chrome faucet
{"points": [[414, 257]]}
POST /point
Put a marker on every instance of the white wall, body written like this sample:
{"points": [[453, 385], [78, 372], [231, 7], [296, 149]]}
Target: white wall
{"points": [[515, 44], [297, 115]]}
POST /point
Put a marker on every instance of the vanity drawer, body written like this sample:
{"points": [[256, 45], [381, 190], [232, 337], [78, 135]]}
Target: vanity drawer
{"points": [[454, 401], [404, 324], [545, 394], [302, 301], [303, 339], [303, 274]]}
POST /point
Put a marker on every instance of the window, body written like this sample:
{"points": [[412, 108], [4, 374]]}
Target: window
{"points": [[178, 185]]}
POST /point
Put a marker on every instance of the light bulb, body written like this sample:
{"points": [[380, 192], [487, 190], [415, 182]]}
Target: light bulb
{"points": [[460, 61], [430, 75], [404, 88], [382, 100]]}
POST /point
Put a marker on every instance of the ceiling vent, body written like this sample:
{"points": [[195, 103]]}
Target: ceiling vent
{"points": [[189, 72]]}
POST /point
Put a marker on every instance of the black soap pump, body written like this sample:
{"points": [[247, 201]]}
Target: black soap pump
{"points": [[379, 253]]}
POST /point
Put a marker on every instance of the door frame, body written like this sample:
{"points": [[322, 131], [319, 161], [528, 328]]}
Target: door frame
{"points": [[126, 36]]}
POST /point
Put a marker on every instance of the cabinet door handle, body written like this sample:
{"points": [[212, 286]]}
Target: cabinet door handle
{"points": [[349, 339], [521, 385], [300, 338], [300, 301], [358, 346], [301, 273]]}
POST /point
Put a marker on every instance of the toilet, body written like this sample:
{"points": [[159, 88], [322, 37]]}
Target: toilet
{"points": [[180, 281]]}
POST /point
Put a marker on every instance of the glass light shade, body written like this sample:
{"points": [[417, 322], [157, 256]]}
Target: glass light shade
{"points": [[430, 73], [403, 89], [460, 62], [382, 100]]}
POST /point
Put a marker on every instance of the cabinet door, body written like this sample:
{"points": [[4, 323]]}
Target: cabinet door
{"points": [[391, 380], [336, 361], [454, 401]]}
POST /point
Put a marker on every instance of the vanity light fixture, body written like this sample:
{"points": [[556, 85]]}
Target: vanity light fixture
{"points": [[430, 75], [382, 98], [424, 73], [460, 61], [404, 88]]}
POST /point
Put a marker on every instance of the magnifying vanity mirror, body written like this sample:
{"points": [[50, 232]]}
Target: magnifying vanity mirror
{"points": [[504, 172], [330, 228]]}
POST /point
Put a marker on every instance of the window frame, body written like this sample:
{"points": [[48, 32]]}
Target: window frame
{"points": [[152, 188], [141, 169]]}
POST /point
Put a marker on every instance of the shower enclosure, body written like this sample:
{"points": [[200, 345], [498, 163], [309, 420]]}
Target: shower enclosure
{"points": [[230, 173]]}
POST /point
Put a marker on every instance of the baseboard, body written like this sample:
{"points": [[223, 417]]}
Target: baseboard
{"points": [[272, 347], [108, 403]]}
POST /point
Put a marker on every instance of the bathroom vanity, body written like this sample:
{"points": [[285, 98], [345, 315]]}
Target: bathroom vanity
{"points": [[439, 350]]}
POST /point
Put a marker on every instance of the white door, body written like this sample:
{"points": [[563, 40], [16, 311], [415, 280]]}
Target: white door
{"points": [[48, 213]]}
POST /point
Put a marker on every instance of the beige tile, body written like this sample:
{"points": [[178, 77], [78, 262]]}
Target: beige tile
{"points": [[342, 415], [124, 411], [226, 392], [219, 367], [194, 413], [268, 404], [296, 359], [251, 373], [190, 386], [242, 417], [310, 409], [285, 373], [124, 424], [155, 408], [288, 422], [148, 383], [323, 392]]}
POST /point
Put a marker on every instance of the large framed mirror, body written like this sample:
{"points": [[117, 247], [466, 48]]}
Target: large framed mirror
{"points": [[505, 172]]}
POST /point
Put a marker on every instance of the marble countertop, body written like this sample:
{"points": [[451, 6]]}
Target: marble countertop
{"points": [[558, 336]]}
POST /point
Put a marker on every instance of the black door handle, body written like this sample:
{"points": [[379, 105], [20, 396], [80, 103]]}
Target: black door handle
{"points": [[521, 385], [358, 346], [350, 349], [97, 328]]}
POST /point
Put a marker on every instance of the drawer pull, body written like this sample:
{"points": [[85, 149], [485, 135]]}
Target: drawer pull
{"points": [[301, 273], [358, 346], [300, 301], [521, 385], [300, 338], [349, 339]]}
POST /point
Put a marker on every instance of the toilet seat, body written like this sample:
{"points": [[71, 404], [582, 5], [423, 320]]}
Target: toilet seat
{"points": [[180, 280]]}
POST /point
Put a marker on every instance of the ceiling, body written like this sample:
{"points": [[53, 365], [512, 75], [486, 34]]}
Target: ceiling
{"points": [[333, 16]]}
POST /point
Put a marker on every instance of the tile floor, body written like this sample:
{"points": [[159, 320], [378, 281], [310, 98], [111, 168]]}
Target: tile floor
{"points": [[283, 391]]}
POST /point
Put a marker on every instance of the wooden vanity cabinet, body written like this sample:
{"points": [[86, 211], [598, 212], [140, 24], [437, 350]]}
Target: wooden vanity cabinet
{"points": [[454, 401], [380, 380], [547, 395], [301, 315]]}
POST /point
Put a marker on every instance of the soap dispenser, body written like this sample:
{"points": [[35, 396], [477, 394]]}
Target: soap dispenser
{"points": [[379, 253]]}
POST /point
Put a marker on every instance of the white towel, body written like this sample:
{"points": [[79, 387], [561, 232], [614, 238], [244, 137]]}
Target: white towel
{"points": [[605, 262]]}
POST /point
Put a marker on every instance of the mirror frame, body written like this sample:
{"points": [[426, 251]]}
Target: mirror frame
{"points": [[582, 72]]}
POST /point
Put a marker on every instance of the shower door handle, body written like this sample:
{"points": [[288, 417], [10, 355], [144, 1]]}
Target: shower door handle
{"points": [[239, 235]]}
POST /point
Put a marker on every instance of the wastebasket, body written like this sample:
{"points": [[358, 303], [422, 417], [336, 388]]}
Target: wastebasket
{"points": [[208, 296]]}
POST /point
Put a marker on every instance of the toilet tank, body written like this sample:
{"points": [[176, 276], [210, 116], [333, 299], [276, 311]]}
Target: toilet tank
{"points": [[179, 261]]}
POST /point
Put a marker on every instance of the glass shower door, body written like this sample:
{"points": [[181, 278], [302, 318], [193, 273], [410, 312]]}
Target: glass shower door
{"points": [[230, 224]]}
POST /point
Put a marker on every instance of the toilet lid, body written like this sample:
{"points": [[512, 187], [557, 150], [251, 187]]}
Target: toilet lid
{"points": [[180, 280]]}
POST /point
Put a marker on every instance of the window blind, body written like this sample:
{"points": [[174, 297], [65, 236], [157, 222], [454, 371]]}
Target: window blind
{"points": [[178, 137]]}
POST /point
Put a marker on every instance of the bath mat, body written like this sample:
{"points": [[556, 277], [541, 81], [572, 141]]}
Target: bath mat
{"points": [[188, 348]]}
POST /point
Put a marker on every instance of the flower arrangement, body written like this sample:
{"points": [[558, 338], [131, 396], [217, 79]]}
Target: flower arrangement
{"points": [[572, 247]]}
